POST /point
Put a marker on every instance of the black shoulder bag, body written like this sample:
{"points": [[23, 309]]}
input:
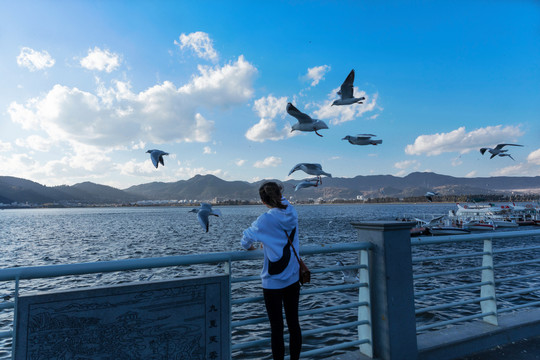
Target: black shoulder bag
{"points": [[305, 274]]}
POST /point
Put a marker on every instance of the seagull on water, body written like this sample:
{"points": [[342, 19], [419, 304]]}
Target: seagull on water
{"points": [[429, 195], [362, 139], [204, 212], [497, 150], [346, 92], [305, 122], [307, 183], [157, 157], [349, 275], [311, 169]]}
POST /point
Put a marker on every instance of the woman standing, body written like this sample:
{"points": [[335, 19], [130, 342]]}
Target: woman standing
{"points": [[280, 272]]}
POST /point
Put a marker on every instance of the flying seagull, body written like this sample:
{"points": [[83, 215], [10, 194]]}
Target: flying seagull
{"points": [[497, 149], [311, 169], [346, 92], [362, 139], [157, 157], [305, 122], [429, 195], [307, 183], [204, 212], [349, 275], [506, 154]]}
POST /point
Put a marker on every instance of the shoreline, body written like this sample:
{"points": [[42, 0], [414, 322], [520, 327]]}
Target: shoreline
{"points": [[252, 203]]}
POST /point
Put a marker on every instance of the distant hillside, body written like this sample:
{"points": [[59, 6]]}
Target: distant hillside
{"points": [[95, 193], [198, 187], [14, 189], [209, 187]]}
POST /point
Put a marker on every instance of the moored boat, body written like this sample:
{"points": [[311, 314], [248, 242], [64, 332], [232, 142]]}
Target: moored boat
{"points": [[503, 223], [479, 225], [524, 222]]}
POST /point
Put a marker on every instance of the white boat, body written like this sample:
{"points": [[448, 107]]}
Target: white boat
{"points": [[479, 225], [437, 226], [475, 210], [503, 223]]}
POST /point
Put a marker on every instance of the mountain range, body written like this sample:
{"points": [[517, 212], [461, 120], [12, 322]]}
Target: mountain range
{"points": [[212, 188]]}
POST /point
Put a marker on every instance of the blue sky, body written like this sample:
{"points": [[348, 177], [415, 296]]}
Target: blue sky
{"points": [[88, 86]]}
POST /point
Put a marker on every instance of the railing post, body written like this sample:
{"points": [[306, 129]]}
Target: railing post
{"points": [[15, 315], [364, 312], [228, 270], [488, 290], [392, 292]]}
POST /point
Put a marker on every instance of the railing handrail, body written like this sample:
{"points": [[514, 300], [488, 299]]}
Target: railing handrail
{"points": [[45, 271], [430, 240]]}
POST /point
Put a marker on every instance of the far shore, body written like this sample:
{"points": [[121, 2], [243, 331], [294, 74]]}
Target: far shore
{"points": [[532, 199]]}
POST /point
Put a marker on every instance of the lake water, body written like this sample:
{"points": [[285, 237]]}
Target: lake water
{"points": [[31, 237]]}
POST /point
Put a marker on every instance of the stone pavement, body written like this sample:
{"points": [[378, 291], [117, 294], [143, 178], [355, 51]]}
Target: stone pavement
{"points": [[526, 349]]}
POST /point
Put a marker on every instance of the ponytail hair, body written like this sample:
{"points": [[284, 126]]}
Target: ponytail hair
{"points": [[270, 193]]}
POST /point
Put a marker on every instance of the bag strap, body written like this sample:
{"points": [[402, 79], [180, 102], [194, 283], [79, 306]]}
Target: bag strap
{"points": [[289, 237]]}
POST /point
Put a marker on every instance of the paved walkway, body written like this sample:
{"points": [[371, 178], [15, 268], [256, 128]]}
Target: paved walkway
{"points": [[526, 349]]}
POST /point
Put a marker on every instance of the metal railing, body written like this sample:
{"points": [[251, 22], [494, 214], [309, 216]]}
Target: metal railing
{"points": [[362, 325], [474, 276]]}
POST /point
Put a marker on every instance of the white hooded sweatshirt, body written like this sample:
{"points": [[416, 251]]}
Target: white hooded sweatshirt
{"points": [[269, 229]]}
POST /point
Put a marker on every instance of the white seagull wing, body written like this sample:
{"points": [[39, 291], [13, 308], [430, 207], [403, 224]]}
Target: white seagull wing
{"points": [[500, 146], [300, 116], [313, 167], [154, 155], [202, 215], [346, 91]]}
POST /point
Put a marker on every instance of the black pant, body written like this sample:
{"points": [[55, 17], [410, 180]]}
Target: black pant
{"points": [[289, 297]]}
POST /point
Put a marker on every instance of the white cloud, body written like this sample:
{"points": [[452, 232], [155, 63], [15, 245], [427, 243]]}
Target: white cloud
{"points": [[136, 168], [82, 163], [101, 60], [200, 43], [89, 158], [461, 141], [457, 161], [230, 84], [117, 116], [138, 145], [406, 164], [34, 60], [35, 142], [188, 172], [11, 164], [341, 114], [240, 162], [316, 74], [271, 161], [208, 150], [534, 157], [5, 146], [268, 108], [530, 168], [472, 174], [266, 129]]}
